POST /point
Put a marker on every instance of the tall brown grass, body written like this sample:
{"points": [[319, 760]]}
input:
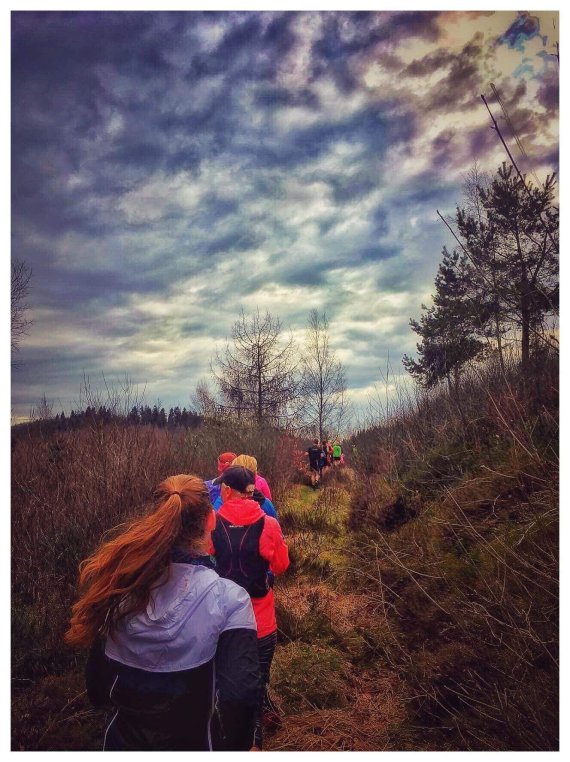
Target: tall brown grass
{"points": [[69, 488], [456, 515]]}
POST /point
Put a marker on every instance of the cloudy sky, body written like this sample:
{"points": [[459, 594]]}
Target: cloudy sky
{"points": [[170, 169]]}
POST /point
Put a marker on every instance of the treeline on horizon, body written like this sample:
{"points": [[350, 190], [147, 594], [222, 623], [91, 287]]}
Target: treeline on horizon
{"points": [[139, 415], [262, 378]]}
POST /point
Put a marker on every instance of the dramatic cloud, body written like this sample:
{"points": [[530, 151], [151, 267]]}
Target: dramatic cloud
{"points": [[172, 168]]}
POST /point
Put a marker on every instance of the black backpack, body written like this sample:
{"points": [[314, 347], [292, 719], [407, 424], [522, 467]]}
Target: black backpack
{"points": [[238, 557]]}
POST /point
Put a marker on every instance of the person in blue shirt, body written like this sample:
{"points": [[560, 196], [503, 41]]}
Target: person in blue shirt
{"points": [[264, 503], [224, 461]]}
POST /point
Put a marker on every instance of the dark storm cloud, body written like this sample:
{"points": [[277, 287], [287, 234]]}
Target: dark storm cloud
{"points": [[395, 281], [70, 290], [373, 252], [428, 189], [355, 33], [305, 274], [430, 63], [137, 151], [272, 96], [234, 242], [45, 368], [374, 126], [248, 50], [548, 92], [460, 88], [481, 140], [443, 147], [350, 187]]}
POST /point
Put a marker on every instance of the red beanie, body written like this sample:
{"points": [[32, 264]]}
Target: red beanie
{"points": [[224, 460]]}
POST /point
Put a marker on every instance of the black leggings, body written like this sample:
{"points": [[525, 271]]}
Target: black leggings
{"points": [[265, 649]]}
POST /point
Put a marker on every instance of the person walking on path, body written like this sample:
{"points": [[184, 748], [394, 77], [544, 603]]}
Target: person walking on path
{"points": [[224, 461], [337, 453], [323, 461], [328, 448], [314, 452], [248, 461], [265, 504], [170, 639], [247, 545]]}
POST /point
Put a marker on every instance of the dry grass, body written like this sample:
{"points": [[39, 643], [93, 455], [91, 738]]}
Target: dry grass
{"points": [[375, 709]]}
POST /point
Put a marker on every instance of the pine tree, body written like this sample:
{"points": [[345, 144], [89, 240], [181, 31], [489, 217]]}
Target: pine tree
{"points": [[513, 247], [449, 328]]}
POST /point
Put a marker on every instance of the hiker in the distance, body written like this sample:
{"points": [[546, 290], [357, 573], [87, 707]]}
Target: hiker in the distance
{"points": [[170, 639], [323, 460], [314, 453], [224, 461], [337, 453], [328, 448], [248, 545]]}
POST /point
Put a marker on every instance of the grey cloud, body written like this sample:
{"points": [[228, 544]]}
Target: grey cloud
{"points": [[304, 274], [235, 241], [273, 96], [462, 85], [370, 127], [430, 63]]}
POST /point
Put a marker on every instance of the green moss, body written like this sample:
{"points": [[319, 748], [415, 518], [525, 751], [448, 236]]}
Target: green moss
{"points": [[309, 676]]}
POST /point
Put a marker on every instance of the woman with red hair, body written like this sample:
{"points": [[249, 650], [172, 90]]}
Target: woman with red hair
{"points": [[169, 638]]}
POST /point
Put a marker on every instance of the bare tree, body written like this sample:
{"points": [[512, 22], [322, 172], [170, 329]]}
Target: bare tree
{"points": [[204, 399], [19, 289], [323, 381], [44, 410], [256, 373]]}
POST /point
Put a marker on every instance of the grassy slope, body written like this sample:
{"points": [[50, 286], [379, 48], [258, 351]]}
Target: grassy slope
{"points": [[469, 577], [333, 690], [433, 622]]}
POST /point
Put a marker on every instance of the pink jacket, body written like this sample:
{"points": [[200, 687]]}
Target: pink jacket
{"points": [[262, 486], [272, 548]]}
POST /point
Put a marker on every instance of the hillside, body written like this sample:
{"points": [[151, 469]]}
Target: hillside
{"points": [[420, 610]]}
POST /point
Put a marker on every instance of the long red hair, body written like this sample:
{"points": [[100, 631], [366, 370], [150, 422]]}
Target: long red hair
{"points": [[117, 579]]}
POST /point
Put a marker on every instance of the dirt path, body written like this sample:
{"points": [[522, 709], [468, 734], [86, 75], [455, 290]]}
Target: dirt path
{"points": [[334, 690]]}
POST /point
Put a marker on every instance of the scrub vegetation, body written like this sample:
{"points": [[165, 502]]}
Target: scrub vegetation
{"points": [[420, 610]]}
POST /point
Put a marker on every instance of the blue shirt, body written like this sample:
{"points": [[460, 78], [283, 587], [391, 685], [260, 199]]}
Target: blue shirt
{"points": [[267, 506]]}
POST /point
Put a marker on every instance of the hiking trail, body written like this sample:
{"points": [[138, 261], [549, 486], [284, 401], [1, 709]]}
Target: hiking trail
{"points": [[328, 678]]}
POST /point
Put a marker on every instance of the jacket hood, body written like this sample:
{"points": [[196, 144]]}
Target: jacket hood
{"points": [[178, 629], [241, 511]]}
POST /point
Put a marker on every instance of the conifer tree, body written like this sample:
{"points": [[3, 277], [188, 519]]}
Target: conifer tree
{"points": [[256, 372], [513, 247], [449, 328]]}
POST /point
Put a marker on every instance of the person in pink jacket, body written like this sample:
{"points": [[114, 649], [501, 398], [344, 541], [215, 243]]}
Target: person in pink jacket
{"points": [[248, 545], [248, 461]]}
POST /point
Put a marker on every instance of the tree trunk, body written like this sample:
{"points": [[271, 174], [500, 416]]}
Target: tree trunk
{"points": [[457, 398], [525, 326], [500, 345]]}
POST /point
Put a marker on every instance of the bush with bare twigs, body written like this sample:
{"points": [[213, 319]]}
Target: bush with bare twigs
{"points": [[460, 532]]}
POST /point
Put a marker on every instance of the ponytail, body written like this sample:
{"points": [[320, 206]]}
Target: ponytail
{"points": [[118, 578]]}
